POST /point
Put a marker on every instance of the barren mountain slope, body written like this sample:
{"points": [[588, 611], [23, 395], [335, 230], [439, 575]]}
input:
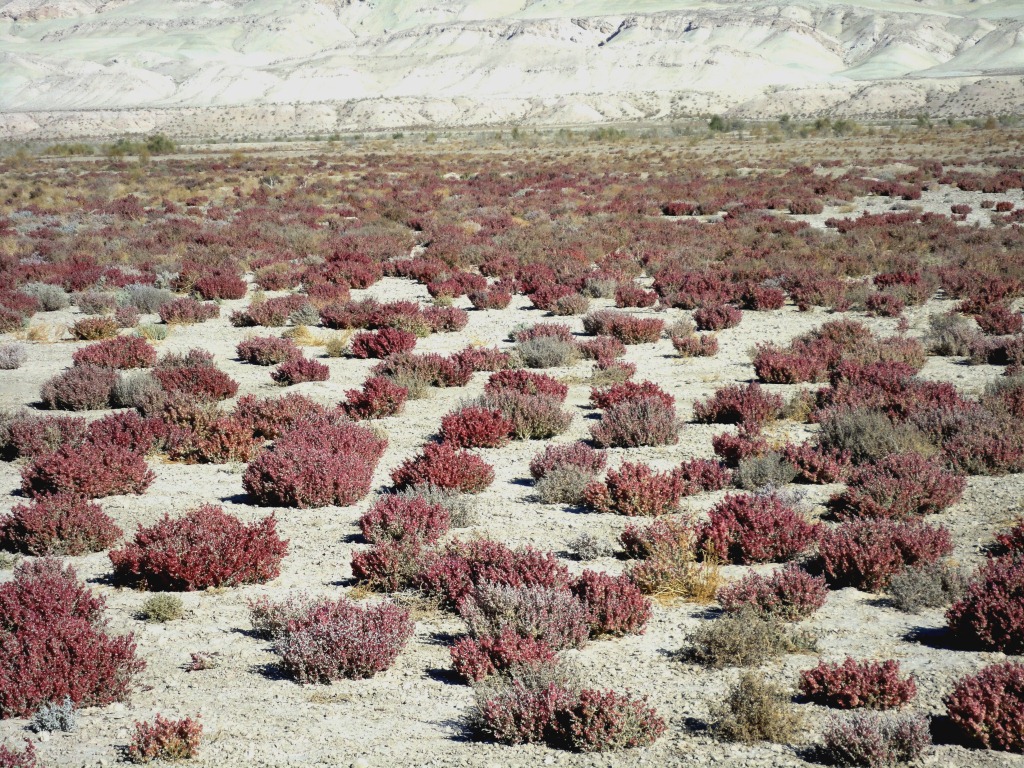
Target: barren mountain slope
{"points": [[384, 63]]}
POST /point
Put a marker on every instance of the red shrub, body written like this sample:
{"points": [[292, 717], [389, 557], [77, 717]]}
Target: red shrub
{"points": [[749, 406], [663, 535], [30, 436], [220, 285], [58, 525], [341, 640], [637, 330], [532, 417], [212, 439], [854, 684], [547, 295], [198, 381], [885, 304], [636, 490], [120, 352], [733, 448], [271, 417], [696, 345], [761, 298], [476, 427], [817, 465], [900, 486], [476, 659], [382, 343], [205, 548], [483, 359], [379, 398], [394, 518], [543, 330], [777, 366], [492, 298], [315, 465], [267, 350], [637, 422], [26, 758], [527, 382], [431, 368], [991, 614], [165, 739], [445, 466], [999, 320], [629, 391], [93, 328], [867, 553], [300, 370], [602, 348], [600, 721], [187, 311], [81, 388], [699, 475], [87, 470], [613, 603], [629, 295], [577, 455], [446, 319], [717, 317], [874, 739], [756, 529], [53, 645], [988, 707], [551, 615], [521, 714], [1012, 542], [789, 594]]}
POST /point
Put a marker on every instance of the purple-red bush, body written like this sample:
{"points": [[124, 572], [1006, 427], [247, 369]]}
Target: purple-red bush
{"points": [[630, 295], [699, 475], [609, 397], [13, 758], [120, 352], [29, 436], [205, 548], [637, 422], [577, 455], [717, 317], [817, 465], [602, 348], [391, 565], [186, 311], [901, 485], [379, 398], [636, 490], [58, 525], [477, 658], [88, 470], [696, 345], [482, 359], [613, 604], [445, 466], [165, 739], [299, 370], [749, 406], [988, 707], [204, 382], [789, 594], [476, 427], [867, 553], [395, 518], [80, 388], [271, 417], [733, 448], [381, 343], [991, 615], [854, 684], [527, 382], [999, 320], [756, 529]]}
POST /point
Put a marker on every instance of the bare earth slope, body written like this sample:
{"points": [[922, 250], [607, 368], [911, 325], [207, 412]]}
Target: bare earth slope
{"points": [[232, 67]]}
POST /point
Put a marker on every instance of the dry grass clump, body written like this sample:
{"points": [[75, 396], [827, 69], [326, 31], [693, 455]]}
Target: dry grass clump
{"points": [[744, 639], [756, 710]]}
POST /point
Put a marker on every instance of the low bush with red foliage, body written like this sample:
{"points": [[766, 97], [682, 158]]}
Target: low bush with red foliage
{"points": [[483, 359], [474, 426], [430, 368], [987, 708], [54, 644], [446, 319], [885, 304], [200, 380], [341, 640], [271, 417], [93, 328], [58, 525], [749, 528], [576, 455], [220, 284], [300, 370], [750, 406], [80, 388], [735, 447], [630, 295], [762, 298], [696, 345], [395, 518], [28, 436], [379, 398], [526, 382], [91, 470], [381, 343], [165, 739], [901, 485], [391, 565], [637, 330], [128, 430], [493, 297], [120, 352], [475, 659], [1011, 542], [999, 320], [789, 594], [602, 348], [636, 490], [855, 684], [614, 605], [990, 616], [818, 465], [699, 475], [867, 553], [267, 350], [635, 423], [186, 311], [445, 466], [717, 318], [205, 548], [315, 464], [206, 437], [629, 391], [24, 758]]}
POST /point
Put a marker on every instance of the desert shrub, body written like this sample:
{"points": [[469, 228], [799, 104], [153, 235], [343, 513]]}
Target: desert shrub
{"points": [[483, 359], [744, 639], [629, 391], [145, 298], [80, 388], [492, 298], [220, 285], [607, 372], [547, 352], [630, 295], [755, 710], [12, 356], [701, 475], [267, 350], [696, 345], [853, 684], [986, 443], [186, 311], [790, 366], [165, 739], [643, 542], [53, 717], [381, 343], [716, 318], [126, 317], [11, 321], [531, 417], [475, 659], [53, 643], [87, 470], [128, 430], [50, 297], [201, 382], [140, 391], [476, 427], [444, 466], [604, 721], [867, 553], [586, 547], [271, 417], [815, 464], [205, 548], [602, 348], [636, 490], [867, 435], [527, 383], [120, 352], [464, 565], [768, 470], [270, 618], [927, 585], [950, 335], [789, 594], [573, 304], [62, 524], [749, 406], [203, 436], [762, 298], [461, 507], [636, 330], [93, 328], [901, 485], [342, 640], [162, 608], [563, 485], [391, 565], [635, 423], [577, 455], [673, 571], [999, 320], [417, 372], [314, 465], [991, 613], [756, 529], [884, 304], [987, 708], [299, 370], [520, 710], [874, 739], [26, 436], [734, 448], [614, 605], [395, 517], [379, 398], [552, 616]]}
